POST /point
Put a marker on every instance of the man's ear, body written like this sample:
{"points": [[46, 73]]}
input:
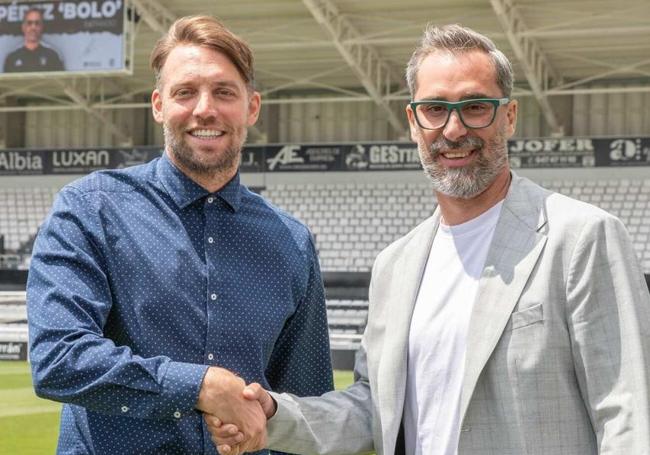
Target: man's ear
{"points": [[413, 127], [511, 114], [156, 106], [254, 106]]}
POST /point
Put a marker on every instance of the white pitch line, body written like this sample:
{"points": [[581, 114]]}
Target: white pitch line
{"points": [[13, 370], [28, 410]]}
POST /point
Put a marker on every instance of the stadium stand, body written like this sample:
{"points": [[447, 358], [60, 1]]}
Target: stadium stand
{"points": [[628, 199], [352, 223], [22, 210], [13, 324], [12, 308], [347, 319], [347, 314]]}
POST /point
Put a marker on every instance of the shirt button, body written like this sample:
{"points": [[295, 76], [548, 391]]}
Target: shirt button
{"points": [[213, 296], [210, 200], [210, 356], [125, 409], [210, 240], [177, 414]]}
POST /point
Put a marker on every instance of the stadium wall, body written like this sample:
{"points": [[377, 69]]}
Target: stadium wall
{"points": [[599, 114], [611, 114], [71, 129]]}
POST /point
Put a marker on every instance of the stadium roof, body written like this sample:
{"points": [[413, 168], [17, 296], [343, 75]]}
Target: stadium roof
{"points": [[352, 50]]}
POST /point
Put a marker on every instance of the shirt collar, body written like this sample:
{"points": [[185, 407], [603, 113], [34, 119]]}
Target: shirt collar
{"points": [[185, 191], [231, 193]]}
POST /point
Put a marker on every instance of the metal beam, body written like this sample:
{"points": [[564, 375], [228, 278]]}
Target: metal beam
{"points": [[573, 16], [587, 32], [305, 81], [374, 73], [538, 72], [396, 96], [155, 15], [622, 69]]}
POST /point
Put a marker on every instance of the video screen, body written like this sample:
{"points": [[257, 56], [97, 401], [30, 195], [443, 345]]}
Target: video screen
{"points": [[62, 36]]}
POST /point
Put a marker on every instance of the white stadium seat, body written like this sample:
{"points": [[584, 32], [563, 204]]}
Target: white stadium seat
{"points": [[353, 222]]}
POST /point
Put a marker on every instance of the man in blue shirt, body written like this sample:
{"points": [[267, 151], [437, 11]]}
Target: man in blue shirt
{"points": [[149, 285]]}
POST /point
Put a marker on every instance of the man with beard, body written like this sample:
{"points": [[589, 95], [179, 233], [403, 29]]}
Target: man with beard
{"points": [[33, 55], [514, 321], [149, 285]]}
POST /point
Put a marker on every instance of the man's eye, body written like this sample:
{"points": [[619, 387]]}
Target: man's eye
{"points": [[476, 107], [435, 108], [183, 93], [225, 93]]}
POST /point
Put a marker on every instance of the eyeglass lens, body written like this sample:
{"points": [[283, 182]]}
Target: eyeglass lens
{"points": [[474, 115]]}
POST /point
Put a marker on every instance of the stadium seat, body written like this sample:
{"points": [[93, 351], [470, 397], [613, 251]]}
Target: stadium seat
{"points": [[354, 222]]}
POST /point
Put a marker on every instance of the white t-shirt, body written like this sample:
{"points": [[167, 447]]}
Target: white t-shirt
{"points": [[438, 334]]}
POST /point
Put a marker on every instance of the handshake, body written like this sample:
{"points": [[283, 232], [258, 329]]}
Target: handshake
{"points": [[235, 413]]}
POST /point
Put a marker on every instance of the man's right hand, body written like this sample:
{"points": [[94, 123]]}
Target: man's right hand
{"points": [[222, 396], [226, 435]]}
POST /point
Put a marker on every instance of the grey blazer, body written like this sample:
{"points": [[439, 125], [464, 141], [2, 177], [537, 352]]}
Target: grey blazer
{"points": [[558, 354]]}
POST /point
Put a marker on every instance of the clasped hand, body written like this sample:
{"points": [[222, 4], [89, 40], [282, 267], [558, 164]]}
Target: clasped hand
{"points": [[235, 414]]}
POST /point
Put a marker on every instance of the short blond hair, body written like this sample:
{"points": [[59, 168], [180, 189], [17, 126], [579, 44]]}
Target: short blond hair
{"points": [[206, 31]]}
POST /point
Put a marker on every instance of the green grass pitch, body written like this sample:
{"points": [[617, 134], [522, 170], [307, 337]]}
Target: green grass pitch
{"points": [[30, 425]]}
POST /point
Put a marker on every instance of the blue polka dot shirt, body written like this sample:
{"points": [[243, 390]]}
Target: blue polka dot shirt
{"points": [[140, 279]]}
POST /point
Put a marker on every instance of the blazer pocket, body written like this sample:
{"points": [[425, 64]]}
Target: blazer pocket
{"points": [[526, 317]]}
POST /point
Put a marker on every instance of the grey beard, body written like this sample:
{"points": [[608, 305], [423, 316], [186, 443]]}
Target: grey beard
{"points": [[185, 156], [470, 181]]}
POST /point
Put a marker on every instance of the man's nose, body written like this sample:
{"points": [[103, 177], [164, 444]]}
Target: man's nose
{"points": [[205, 106], [454, 129]]}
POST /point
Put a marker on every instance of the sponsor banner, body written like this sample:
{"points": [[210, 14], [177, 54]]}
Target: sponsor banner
{"points": [[382, 157], [623, 152], [579, 152], [302, 158], [341, 157], [524, 153], [352, 157], [21, 162], [72, 161], [252, 159], [550, 152], [13, 350], [135, 156], [75, 36]]}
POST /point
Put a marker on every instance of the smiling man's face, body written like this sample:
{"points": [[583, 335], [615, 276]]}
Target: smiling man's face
{"points": [[32, 27], [462, 162], [205, 108]]}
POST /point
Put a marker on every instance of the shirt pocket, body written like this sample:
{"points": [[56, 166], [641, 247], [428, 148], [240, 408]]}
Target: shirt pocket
{"points": [[526, 317]]}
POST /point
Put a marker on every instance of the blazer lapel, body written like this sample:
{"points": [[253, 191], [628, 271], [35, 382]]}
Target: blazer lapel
{"points": [[391, 383], [515, 248]]}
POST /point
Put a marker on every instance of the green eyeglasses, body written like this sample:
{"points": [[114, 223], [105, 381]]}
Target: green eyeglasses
{"points": [[476, 113]]}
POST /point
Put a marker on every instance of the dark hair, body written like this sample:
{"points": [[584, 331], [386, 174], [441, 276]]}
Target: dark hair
{"points": [[209, 32], [457, 39], [32, 9]]}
